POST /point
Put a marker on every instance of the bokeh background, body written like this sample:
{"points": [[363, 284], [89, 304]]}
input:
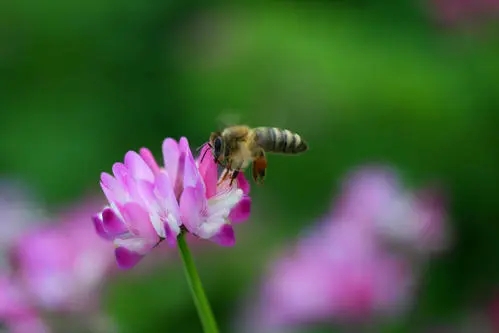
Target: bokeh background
{"points": [[413, 84]]}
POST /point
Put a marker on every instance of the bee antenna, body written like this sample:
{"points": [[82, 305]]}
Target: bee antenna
{"points": [[202, 157], [201, 147]]}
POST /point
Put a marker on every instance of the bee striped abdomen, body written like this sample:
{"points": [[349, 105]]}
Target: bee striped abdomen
{"points": [[277, 140]]}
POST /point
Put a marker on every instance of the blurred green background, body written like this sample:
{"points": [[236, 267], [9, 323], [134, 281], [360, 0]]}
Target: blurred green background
{"points": [[361, 81]]}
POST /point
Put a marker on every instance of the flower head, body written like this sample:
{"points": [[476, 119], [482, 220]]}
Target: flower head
{"points": [[149, 203], [347, 269], [61, 266], [344, 278], [375, 198], [143, 206]]}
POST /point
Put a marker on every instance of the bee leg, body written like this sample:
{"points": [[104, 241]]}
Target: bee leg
{"points": [[235, 173], [225, 173], [254, 172], [259, 168], [224, 176]]}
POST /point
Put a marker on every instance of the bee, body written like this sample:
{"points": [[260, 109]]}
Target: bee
{"points": [[236, 147]]}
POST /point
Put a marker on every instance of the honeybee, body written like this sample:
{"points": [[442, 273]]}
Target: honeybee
{"points": [[236, 147]]}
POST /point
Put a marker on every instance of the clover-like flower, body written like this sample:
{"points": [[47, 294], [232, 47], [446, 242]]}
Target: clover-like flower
{"points": [[142, 209], [361, 262], [411, 220], [60, 265], [149, 203]]}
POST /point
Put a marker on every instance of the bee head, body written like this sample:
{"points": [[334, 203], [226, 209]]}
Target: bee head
{"points": [[217, 146]]}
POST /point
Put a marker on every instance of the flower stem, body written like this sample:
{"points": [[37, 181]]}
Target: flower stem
{"points": [[202, 305]]}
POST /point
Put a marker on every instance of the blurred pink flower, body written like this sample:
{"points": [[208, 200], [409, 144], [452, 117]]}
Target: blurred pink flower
{"points": [[19, 211], [16, 312], [13, 303], [148, 204], [28, 325], [61, 266], [344, 278], [454, 12], [375, 198], [348, 268], [54, 267]]}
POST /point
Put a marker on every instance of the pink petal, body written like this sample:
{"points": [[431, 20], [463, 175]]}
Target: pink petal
{"points": [[208, 171], [148, 157], [178, 184], [192, 205], [164, 186], [99, 228], [113, 225], [204, 153], [166, 195], [132, 190], [171, 155], [146, 192], [242, 211], [112, 188], [162, 204], [191, 174], [137, 167], [183, 144], [139, 222], [120, 172], [225, 237], [171, 238], [125, 258]]}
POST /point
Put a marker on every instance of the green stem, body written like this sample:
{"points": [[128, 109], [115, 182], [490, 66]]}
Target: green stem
{"points": [[202, 305]]}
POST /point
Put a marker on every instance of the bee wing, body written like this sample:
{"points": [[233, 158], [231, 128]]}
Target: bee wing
{"points": [[229, 118]]}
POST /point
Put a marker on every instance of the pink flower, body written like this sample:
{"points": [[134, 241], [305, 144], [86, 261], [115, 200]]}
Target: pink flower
{"points": [[16, 311], [31, 324], [61, 266], [340, 279], [148, 204], [13, 302], [456, 12], [374, 197], [348, 269], [143, 206], [416, 222]]}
